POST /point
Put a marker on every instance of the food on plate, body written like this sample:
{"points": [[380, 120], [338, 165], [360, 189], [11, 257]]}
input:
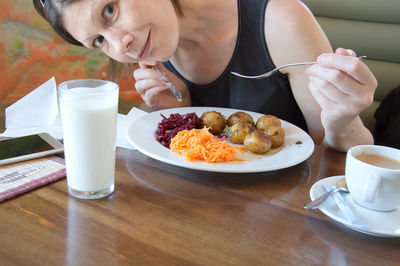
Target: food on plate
{"points": [[277, 135], [266, 121], [239, 116], [237, 132], [239, 128], [200, 144], [169, 127], [213, 120], [271, 125], [257, 142]]}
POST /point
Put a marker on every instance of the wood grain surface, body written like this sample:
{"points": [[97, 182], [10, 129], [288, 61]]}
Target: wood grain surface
{"points": [[161, 214]]}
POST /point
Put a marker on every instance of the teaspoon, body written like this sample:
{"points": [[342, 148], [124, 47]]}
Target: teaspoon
{"points": [[340, 186]]}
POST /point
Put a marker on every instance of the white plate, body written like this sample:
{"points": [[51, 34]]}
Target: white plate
{"points": [[297, 148], [383, 224]]}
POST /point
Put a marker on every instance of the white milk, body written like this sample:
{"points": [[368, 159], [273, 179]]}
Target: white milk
{"points": [[89, 129]]}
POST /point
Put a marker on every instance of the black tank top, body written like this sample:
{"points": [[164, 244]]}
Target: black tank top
{"points": [[271, 95]]}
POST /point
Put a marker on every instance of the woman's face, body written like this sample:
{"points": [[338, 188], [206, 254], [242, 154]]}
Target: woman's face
{"points": [[128, 31]]}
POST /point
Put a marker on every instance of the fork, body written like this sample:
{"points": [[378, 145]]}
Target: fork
{"points": [[269, 73], [174, 90]]}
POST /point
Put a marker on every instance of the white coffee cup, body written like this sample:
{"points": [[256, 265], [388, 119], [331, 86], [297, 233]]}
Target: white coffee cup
{"points": [[373, 176]]}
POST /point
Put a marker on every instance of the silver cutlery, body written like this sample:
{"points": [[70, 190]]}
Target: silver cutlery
{"points": [[340, 186], [269, 73], [174, 90]]}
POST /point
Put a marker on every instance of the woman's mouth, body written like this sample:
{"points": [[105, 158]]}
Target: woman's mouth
{"points": [[145, 51]]}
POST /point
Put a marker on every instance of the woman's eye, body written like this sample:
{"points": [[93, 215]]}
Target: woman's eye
{"points": [[108, 11], [98, 42]]}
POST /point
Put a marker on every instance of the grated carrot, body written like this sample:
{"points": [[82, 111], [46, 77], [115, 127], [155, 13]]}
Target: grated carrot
{"points": [[200, 144]]}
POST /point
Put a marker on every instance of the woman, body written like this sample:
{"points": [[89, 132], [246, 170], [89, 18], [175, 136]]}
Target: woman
{"points": [[201, 42]]}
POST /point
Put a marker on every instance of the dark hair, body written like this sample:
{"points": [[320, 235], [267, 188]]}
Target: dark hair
{"points": [[51, 10]]}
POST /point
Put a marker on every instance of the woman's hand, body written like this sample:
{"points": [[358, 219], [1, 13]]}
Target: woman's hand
{"points": [[343, 86], [154, 89]]}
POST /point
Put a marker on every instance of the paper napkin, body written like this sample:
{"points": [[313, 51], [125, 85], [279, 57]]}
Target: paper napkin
{"points": [[346, 209], [123, 122], [37, 112], [38, 108]]}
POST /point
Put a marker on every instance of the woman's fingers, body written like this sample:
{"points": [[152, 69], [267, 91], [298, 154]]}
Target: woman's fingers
{"points": [[341, 88], [335, 81], [342, 85], [329, 90], [350, 65], [324, 101], [149, 85], [147, 64], [153, 88], [153, 96], [145, 84], [344, 51]]}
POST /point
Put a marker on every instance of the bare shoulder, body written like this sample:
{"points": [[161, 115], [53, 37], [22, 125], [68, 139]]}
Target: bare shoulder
{"points": [[292, 33]]}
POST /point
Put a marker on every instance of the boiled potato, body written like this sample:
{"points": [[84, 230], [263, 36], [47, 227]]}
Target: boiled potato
{"points": [[277, 135], [237, 132], [215, 121], [239, 116], [257, 142], [266, 121]]}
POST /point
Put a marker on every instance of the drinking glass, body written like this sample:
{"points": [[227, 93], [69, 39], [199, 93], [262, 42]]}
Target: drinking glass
{"points": [[88, 109]]}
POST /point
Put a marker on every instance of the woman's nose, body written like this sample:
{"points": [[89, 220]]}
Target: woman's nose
{"points": [[121, 41]]}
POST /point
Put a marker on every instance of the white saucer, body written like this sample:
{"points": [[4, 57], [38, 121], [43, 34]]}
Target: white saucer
{"points": [[383, 224]]}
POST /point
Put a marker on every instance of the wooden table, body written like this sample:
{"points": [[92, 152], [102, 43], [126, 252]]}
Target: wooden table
{"points": [[161, 214]]}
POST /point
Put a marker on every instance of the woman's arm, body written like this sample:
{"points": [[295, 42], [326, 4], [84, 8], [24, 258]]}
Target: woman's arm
{"points": [[332, 93]]}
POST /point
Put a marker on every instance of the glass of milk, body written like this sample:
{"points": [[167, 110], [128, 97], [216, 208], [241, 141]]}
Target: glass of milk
{"points": [[88, 110]]}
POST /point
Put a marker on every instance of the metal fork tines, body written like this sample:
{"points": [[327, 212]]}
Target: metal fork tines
{"points": [[269, 73]]}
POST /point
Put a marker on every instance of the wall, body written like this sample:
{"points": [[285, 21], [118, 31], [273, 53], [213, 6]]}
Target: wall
{"points": [[31, 53]]}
